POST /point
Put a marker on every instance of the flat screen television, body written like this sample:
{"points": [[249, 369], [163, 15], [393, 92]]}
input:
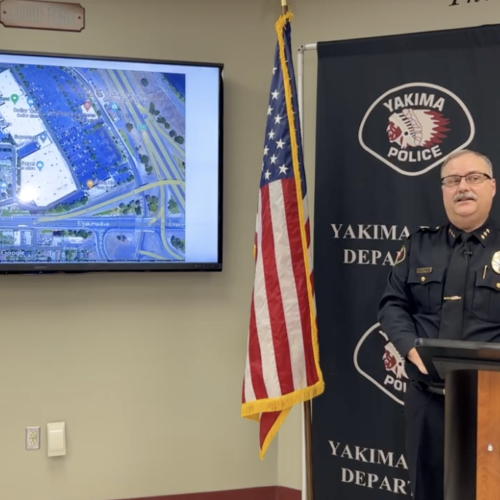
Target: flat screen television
{"points": [[109, 164]]}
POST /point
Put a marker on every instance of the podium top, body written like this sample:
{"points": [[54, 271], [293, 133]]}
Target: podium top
{"points": [[442, 356]]}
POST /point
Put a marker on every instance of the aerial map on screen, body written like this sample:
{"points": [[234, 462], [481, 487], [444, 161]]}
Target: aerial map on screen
{"points": [[92, 165]]}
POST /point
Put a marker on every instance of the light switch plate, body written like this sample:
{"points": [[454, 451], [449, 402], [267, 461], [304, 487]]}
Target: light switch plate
{"points": [[56, 439], [32, 438]]}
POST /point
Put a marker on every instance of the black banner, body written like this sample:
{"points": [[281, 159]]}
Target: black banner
{"points": [[389, 110]]}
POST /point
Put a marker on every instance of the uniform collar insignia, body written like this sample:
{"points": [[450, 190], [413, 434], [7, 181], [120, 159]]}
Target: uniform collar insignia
{"points": [[482, 234]]}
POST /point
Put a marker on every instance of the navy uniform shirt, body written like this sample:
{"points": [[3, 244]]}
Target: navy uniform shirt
{"points": [[411, 303]]}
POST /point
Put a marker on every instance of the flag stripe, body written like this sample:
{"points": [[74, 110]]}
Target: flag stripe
{"points": [[308, 233], [287, 239], [275, 297], [254, 379], [290, 192], [264, 320], [248, 392], [254, 387], [267, 422]]}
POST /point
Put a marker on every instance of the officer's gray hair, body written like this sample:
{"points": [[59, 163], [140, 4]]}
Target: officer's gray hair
{"points": [[462, 152]]}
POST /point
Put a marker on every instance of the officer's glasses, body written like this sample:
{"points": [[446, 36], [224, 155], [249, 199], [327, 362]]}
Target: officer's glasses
{"points": [[472, 178]]}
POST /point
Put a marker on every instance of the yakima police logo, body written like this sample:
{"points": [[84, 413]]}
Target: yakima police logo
{"points": [[412, 128], [376, 358]]}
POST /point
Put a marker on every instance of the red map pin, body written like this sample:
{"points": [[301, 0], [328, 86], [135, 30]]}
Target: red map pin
{"points": [[87, 105]]}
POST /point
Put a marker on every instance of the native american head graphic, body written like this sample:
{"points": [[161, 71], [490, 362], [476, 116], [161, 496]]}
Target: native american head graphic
{"points": [[394, 362], [412, 128]]}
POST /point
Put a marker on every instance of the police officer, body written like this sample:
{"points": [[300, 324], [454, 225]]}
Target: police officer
{"points": [[445, 284]]}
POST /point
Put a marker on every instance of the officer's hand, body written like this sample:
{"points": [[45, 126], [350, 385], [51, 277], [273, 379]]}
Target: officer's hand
{"points": [[415, 358]]}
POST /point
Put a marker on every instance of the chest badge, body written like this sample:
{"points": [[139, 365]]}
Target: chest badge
{"points": [[495, 262]]}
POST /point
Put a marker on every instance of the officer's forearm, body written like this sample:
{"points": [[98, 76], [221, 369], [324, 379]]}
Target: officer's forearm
{"points": [[398, 326], [394, 309]]}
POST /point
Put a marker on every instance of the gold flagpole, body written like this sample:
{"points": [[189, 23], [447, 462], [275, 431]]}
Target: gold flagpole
{"points": [[284, 6]]}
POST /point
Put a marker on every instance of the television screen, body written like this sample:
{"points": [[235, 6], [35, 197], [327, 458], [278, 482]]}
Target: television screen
{"points": [[109, 164]]}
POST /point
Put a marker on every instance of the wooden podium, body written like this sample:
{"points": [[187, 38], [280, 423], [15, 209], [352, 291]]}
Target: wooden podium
{"points": [[470, 374]]}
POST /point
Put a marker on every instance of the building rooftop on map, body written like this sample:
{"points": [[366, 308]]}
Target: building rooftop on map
{"points": [[8, 85], [48, 182]]}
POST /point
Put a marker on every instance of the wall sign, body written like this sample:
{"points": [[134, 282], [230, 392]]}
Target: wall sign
{"points": [[36, 14]]}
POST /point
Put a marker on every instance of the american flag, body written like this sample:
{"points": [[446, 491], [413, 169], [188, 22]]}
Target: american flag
{"points": [[282, 365]]}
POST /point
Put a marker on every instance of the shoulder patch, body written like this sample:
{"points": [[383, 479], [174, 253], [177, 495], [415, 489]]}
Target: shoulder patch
{"points": [[401, 256]]}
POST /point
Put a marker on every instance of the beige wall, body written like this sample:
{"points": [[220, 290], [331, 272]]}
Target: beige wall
{"points": [[146, 369]]}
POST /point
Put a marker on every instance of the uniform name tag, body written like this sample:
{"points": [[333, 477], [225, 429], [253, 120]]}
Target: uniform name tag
{"points": [[424, 270]]}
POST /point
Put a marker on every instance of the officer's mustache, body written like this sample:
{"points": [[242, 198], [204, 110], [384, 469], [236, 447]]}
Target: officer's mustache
{"points": [[466, 195]]}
